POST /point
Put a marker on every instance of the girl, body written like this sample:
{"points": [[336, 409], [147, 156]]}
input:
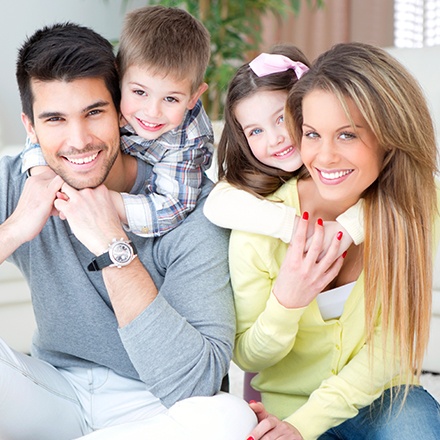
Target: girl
{"points": [[256, 156], [349, 368]]}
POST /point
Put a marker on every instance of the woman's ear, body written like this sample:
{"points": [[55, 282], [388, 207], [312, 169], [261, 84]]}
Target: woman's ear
{"points": [[197, 94], [29, 127]]}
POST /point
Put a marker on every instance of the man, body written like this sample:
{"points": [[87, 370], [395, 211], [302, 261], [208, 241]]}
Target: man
{"points": [[126, 326]]}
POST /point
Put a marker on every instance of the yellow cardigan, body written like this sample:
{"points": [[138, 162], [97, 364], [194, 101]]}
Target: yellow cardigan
{"points": [[315, 374]]}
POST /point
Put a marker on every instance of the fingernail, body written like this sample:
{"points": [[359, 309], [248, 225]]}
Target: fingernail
{"points": [[320, 222], [339, 235], [252, 401], [250, 438], [344, 254], [305, 215]]}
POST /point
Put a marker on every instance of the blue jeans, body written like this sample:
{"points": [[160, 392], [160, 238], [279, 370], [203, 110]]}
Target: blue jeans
{"points": [[418, 419]]}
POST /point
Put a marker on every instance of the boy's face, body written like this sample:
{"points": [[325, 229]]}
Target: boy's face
{"points": [[153, 104], [76, 125]]}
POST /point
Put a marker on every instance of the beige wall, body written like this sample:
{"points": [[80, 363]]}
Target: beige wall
{"points": [[316, 30]]}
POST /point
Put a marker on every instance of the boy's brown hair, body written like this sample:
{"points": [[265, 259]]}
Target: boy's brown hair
{"points": [[169, 41]]}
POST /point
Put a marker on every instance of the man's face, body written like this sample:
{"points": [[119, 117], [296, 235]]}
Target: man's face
{"points": [[76, 125]]}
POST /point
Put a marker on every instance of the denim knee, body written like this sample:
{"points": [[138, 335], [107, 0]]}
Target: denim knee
{"points": [[382, 420]]}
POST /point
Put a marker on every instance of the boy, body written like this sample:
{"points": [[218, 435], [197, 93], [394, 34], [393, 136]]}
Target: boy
{"points": [[162, 59]]}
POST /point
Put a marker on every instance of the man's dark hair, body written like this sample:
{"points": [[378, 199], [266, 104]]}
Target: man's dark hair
{"points": [[65, 52]]}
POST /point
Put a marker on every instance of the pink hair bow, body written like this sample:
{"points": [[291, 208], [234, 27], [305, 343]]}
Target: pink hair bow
{"points": [[268, 63]]}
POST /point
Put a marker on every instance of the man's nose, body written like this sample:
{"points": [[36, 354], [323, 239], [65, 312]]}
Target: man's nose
{"points": [[79, 135]]}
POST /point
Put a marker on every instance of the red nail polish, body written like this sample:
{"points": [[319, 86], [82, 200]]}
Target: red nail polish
{"points": [[320, 222], [305, 215], [250, 438], [339, 235], [252, 401], [344, 254]]}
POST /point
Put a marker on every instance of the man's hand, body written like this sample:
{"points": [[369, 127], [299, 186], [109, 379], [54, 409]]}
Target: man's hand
{"points": [[270, 427], [35, 206], [91, 214], [94, 220]]}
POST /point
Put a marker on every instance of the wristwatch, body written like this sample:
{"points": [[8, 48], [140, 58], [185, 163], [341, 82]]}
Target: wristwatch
{"points": [[120, 253]]}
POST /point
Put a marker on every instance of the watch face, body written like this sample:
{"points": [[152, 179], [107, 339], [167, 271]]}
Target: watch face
{"points": [[121, 253]]}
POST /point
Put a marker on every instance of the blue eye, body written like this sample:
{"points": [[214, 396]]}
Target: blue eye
{"points": [[280, 120], [139, 92], [347, 136], [170, 99], [255, 131], [311, 134]]}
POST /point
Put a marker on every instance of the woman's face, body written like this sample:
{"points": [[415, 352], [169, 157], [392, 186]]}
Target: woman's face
{"points": [[261, 117], [343, 160]]}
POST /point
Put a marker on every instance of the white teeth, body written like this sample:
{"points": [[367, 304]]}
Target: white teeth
{"points": [[82, 160], [283, 153], [148, 124], [335, 175]]}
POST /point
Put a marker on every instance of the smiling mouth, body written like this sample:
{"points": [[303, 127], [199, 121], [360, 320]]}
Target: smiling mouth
{"points": [[82, 160], [149, 124], [284, 152], [334, 174]]}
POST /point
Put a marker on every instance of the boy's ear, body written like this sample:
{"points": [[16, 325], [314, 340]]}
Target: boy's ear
{"points": [[29, 127], [197, 94]]}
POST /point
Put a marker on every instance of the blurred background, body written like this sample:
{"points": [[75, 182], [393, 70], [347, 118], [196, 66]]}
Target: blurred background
{"points": [[239, 29]]}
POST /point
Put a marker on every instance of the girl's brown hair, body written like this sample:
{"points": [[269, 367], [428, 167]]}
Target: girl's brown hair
{"points": [[236, 163]]}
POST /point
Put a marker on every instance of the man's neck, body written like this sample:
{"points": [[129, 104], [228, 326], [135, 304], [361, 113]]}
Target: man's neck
{"points": [[122, 176]]}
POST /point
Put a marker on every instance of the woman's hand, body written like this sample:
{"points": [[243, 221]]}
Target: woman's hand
{"points": [[270, 427], [304, 272]]}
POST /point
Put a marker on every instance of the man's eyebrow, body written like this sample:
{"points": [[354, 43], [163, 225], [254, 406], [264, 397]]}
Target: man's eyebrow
{"points": [[97, 104]]}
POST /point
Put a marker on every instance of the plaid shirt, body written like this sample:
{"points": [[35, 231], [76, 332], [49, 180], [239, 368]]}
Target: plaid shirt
{"points": [[179, 158]]}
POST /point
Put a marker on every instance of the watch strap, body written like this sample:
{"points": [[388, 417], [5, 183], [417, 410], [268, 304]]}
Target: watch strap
{"points": [[104, 260], [100, 262]]}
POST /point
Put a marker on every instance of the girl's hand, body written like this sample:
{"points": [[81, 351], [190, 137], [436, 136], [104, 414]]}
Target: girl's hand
{"points": [[270, 427], [305, 272]]}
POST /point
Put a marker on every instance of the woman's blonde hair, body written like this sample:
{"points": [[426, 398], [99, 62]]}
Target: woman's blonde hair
{"points": [[401, 204]]}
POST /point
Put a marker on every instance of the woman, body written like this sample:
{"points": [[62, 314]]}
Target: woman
{"points": [[342, 363]]}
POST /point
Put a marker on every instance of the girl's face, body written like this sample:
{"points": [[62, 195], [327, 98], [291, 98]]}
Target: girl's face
{"points": [[261, 117], [343, 161]]}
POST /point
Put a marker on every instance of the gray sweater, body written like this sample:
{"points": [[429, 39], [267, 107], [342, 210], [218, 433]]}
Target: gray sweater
{"points": [[179, 346]]}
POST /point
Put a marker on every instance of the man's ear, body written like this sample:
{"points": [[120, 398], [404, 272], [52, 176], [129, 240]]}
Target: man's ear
{"points": [[197, 94], [29, 127]]}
